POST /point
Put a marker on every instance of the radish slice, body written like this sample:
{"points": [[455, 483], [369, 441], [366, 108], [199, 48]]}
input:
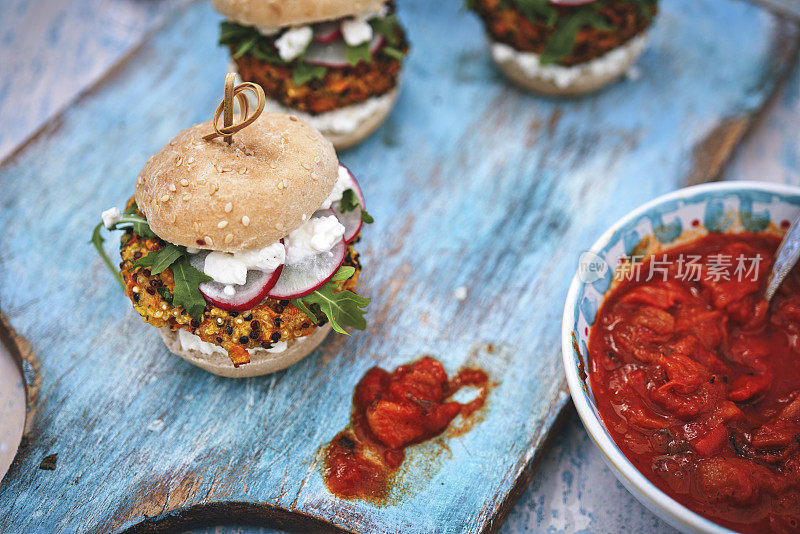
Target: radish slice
{"points": [[334, 54], [571, 2], [307, 276], [351, 220], [246, 296], [327, 32]]}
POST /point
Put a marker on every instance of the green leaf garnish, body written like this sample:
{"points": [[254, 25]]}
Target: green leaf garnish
{"points": [[350, 202], [305, 72], [357, 54], [186, 292], [387, 27], [97, 240], [562, 41], [158, 260], [393, 52], [342, 308], [344, 272]]}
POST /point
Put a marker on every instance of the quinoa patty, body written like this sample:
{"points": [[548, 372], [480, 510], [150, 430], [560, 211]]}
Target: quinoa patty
{"points": [[262, 326], [338, 88], [510, 26]]}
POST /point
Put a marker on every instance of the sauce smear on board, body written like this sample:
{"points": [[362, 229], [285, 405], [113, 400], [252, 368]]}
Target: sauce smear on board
{"points": [[390, 412], [697, 379]]}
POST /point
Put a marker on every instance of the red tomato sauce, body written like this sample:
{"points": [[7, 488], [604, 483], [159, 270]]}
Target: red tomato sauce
{"points": [[698, 381], [390, 412]]}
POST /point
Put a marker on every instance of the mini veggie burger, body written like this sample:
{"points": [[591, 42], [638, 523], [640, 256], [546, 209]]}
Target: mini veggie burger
{"points": [[565, 47], [241, 253], [333, 63]]}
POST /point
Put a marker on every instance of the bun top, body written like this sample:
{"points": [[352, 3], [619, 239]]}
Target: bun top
{"points": [[211, 195], [280, 13]]}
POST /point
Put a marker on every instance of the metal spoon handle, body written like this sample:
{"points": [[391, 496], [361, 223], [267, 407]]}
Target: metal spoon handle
{"points": [[785, 258]]}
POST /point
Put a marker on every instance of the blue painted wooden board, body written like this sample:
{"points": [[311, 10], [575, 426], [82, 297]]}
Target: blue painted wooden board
{"points": [[57, 49], [472, 184]]}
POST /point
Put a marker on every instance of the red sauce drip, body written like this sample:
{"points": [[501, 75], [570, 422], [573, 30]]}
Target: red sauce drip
{"points": [[698, 382], [390, 412]]}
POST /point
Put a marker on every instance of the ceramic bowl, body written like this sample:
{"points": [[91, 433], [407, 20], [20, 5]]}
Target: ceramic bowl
{"points": [[670, 220]]}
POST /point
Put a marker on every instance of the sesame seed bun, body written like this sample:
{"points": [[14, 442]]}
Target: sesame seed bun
{"points": [[211, 195], [261, 361], [280, 13]]}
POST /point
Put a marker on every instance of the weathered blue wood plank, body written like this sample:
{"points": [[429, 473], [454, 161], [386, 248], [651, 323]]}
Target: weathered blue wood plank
{"points": [[472, 183], [52, 50]]}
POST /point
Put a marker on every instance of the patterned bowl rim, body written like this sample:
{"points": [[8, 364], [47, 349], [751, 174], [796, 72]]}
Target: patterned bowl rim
{"points": [[635, 481]]}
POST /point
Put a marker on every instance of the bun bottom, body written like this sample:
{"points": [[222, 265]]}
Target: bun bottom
{"points": [[261, 361], [588, 77], [364, 129]]}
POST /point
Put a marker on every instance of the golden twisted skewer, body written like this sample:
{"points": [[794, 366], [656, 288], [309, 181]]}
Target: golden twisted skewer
{"points": [[225, 109]]}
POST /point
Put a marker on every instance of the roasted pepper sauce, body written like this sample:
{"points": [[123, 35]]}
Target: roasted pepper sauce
{"points": [[390, 412], [698, 382]]}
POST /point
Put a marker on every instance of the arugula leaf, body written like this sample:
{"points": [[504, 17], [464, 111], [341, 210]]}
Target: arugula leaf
{"points": [[392, 52], [356, 54], [342, 308], [160, 259], [245, 47], [186, 292], [344, 272], [305, 72], [97, 240], [350, 202], [248, 40], [562, 41], [387, 26]]}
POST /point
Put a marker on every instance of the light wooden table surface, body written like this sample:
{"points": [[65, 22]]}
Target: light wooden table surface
{"points": [[54, 50]]}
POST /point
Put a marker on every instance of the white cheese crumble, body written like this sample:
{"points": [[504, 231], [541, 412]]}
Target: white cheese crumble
{"points": [[318, 234], [356, 31], [231, 268], [343, 120], [111, 217], [342, 183], [613, 62], [294, 42], [191, 341]]}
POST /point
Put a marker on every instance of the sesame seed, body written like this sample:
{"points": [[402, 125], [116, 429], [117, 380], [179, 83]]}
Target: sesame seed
{"points": [[184, 182], [222, 224], [164, 198], [209, 240], [187, 197], [174, 218], [135, 289], [172, 187], [246, 220], [189, 160], [279, 226], [228, 207], [179, 161], [292, 118], [228, 238]]}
